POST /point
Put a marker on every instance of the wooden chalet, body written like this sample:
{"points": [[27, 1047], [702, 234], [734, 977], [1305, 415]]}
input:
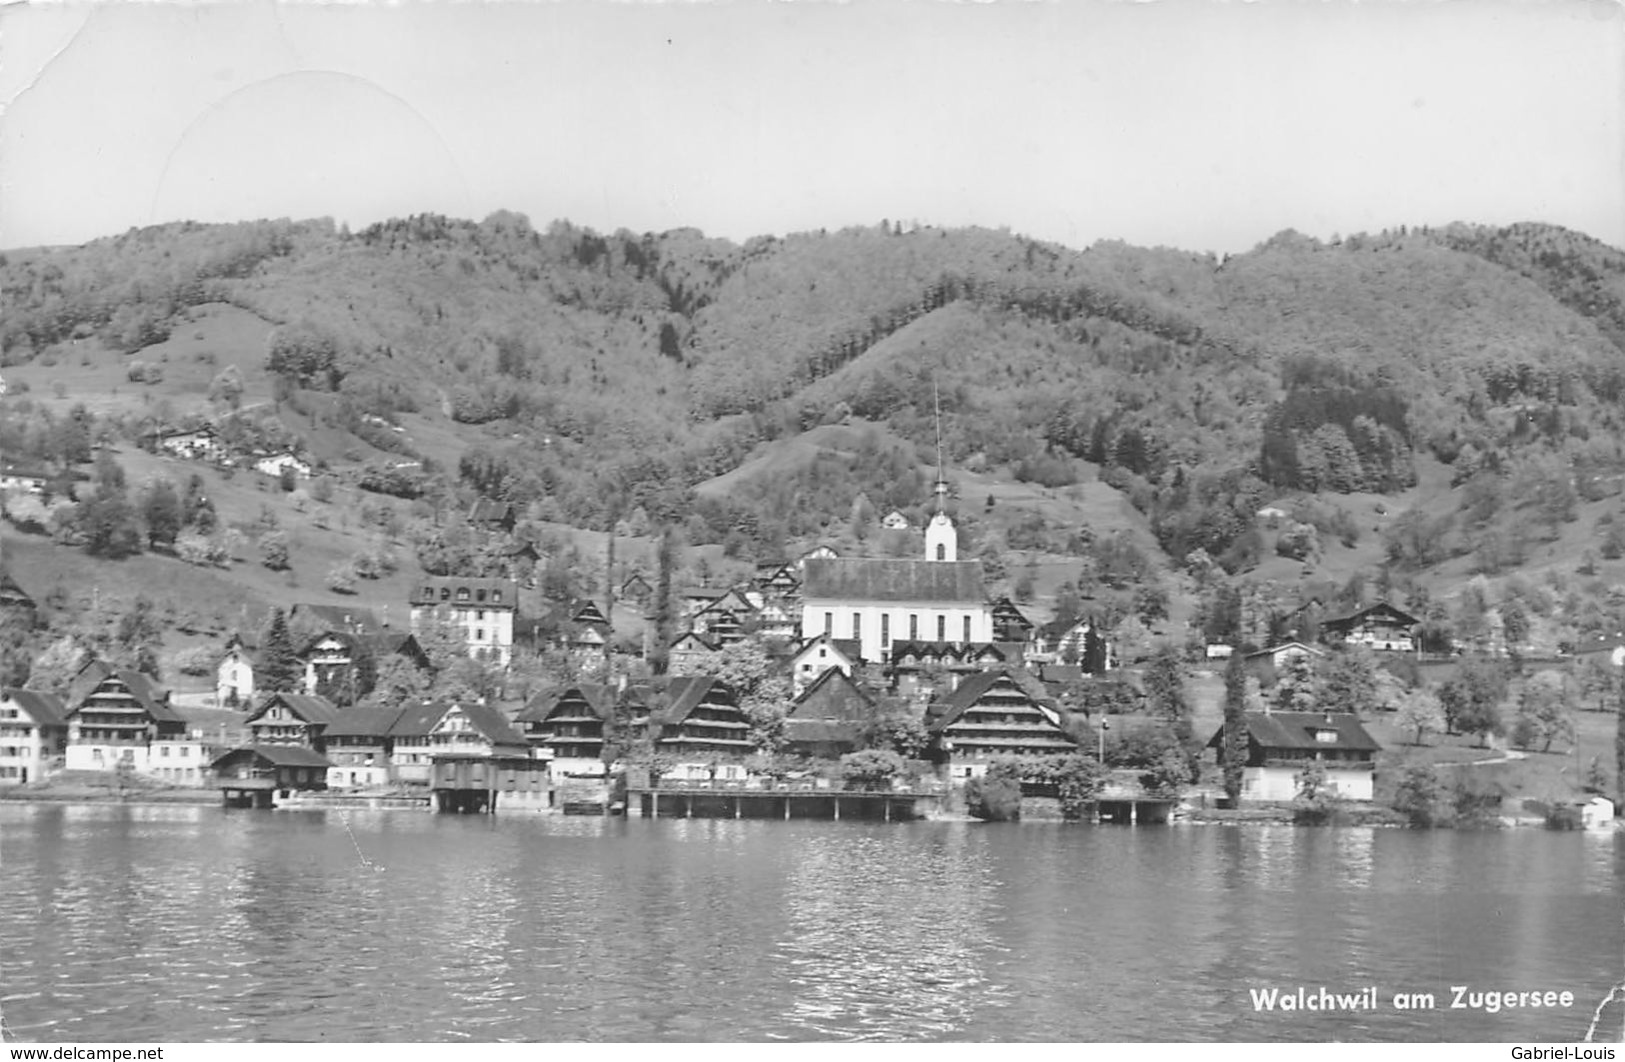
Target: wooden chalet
{"points": [[359, 743], [689, 654], [1281, 744], [331, 657], [291, 719], [636, 589], [15, 602], [916, 668], [692, 715], [699, 599], [467, 728], [33, 735], [1267, 664], [827, 717], [124, 718], [1070, 641], [992, 714], [489, 515], [1009, 623], [1380, 626], [719, 625], [569, 723], [248, 776], [777, 579]]}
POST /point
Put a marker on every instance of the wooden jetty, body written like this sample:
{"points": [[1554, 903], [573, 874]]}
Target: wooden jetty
{"points": [[783, 800]]}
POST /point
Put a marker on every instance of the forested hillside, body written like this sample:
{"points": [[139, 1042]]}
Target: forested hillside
{"points": [[593, 377]]}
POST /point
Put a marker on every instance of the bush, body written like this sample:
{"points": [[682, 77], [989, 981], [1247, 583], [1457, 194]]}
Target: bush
{"points": [[274, 551], [341, 578], [871, 768], [993, 799], [199, 660], [1417, 796]]}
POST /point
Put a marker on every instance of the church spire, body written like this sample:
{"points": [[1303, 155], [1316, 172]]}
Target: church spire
{"points": [[941, 485], [941, 540]]}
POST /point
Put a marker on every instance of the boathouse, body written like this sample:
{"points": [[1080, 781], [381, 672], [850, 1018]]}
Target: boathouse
{"points": [[252, 775]]}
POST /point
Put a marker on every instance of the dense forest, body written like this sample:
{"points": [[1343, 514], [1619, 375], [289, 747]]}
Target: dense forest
{"points": [[594, 377]]}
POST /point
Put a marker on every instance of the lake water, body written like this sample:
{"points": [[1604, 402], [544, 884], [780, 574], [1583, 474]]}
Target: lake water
{"points": [[181, 924]]}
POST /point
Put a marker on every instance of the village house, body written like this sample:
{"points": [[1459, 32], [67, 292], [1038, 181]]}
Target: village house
{"points": [[636, 590], [33, 736], [993, 714], [234, 674], [1381, 627], [16, 604], [819, 654], [284, 768], [489, 515], [777, 579], [350, 618], [194, 444], [1070, 641], [826, 719], [689, 654], [1009, 623], [923, 669], [569, 722], [1610, 650], [24, 480], [690, 715], [719, 625], [359, 745], [122, 720], [276, 464], [291, 719], [1267, 665], [467, 728], [1280, 745], [331, 658], [481, 610], [820, 552], [588, 631], [895, 521]]}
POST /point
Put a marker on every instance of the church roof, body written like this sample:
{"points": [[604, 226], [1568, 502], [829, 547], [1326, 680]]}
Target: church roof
{"points": [[886, 579]]}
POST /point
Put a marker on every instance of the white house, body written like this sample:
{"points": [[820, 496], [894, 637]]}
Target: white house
{"points": [[1282, 744], [33, 735], [482, 610], [234, 676], [276, 463], [818, 655], [894, 521]]}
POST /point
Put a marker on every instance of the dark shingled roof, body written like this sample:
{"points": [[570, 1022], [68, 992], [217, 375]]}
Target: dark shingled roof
{"points": [[309, 707], [1380, 611], [279, 756], [427, 592], [46, 709], [600, 699], [491, 723], [968, 692], [831, 696], [885, 579], [1295, 731], [416, 720], [363, 722], [339, 617]]}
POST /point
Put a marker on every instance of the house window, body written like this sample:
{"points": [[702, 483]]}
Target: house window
{"points": [[480, 615], [885, 630], [479, 634], [829, 623], [445, 593], [462, 593], [942, 628], [496, 597], [1326, 737], [913, 627], [480, 595], [967, 628]]}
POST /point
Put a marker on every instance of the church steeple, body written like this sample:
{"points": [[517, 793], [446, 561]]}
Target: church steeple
{"points": [[941, 540]]}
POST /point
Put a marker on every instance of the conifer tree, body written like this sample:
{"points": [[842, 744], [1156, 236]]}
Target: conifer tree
{"points": [[1235, 727], [279, 669]]}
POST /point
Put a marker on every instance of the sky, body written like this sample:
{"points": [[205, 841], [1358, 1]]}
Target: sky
{"points": [[1196, 124]]}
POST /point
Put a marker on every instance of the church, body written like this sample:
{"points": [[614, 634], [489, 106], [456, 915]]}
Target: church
{"points": [[879, 601]]}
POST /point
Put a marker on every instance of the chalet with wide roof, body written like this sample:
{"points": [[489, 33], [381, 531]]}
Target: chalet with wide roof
{"points": [[827, 718], [1282, 744], [692, 715], [359, 744], [291, 719], [689, 653], [122, 720], [1381, 627], [33, 735], [991, 714], [287, 768], [570, 723], [490, 515], [433, 728], [331, 657]]}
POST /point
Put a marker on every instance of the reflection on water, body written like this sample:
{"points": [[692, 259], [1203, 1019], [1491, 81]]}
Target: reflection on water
{"points": [[131, 923]]}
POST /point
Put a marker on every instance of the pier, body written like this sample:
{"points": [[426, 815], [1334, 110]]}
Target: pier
{"points": [[783, 800]]}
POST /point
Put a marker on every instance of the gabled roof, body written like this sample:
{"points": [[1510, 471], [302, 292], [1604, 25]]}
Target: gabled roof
{"points": [[966, 652], [46, 709], [153, 698], [491, 724], [13, 595], [309, 707], [278, 756], [850, 648], [339, 617], [888, 579], [701, 641], [1272, 650], [1057, 629], [972, 689], [588, 612], [1295, 731], [599, 698], [684, 693], [832, 688], [1380, 611], [485, 510], [364, 722], [417, 720]]}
